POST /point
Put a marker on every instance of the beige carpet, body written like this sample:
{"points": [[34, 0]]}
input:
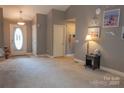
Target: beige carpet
{"points": [[43, 72]]}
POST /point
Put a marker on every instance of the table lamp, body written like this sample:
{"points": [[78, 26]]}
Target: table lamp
{"points": [[88, 38]]}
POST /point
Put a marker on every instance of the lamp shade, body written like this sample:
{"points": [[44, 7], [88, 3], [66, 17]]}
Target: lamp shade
{"points": [[88, 38]]}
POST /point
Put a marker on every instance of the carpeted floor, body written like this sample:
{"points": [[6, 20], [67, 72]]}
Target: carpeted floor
{"points": [[43, 72]]}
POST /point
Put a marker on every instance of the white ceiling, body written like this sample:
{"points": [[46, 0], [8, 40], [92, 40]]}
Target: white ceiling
{"points": [[29, 11]]}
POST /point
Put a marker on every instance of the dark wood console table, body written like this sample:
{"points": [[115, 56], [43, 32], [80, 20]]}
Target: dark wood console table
{"points": [[93, 61]]}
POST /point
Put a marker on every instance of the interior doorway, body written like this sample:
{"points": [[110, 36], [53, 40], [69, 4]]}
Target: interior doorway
{"points": [[64, 39], [70, 37], [18, 40]]}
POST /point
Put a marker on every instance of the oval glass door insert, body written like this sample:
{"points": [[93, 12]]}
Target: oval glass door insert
{"points": [[18, 38]]}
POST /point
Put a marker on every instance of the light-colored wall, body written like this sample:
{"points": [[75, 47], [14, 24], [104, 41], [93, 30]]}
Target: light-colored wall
{"points": [[111, 46]]}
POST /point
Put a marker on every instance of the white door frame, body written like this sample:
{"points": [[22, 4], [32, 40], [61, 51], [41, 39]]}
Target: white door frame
{"points": [[34, 40], [12, 47]]}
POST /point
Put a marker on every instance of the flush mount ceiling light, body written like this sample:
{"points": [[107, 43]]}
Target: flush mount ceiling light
{"points": [[21, 22]]}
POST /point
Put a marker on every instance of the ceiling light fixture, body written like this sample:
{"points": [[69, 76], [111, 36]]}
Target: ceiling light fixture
{"points": [[21, 22]]}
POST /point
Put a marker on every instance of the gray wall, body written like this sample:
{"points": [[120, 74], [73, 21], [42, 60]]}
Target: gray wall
{"points": [[53, 17], [1, 27], [49, 32], [29, 36], [41, 23], [111, 46]]}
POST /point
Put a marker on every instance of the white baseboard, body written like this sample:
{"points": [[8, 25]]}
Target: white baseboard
{"points": [[80, 61], [49, 56], [28, 53], [41, 55], [112, 71], [70, 55]]}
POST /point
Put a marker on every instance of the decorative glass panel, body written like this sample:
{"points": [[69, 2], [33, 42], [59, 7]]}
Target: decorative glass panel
{"points": [[18, 38]]}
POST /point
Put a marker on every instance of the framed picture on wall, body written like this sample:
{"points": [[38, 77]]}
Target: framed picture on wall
{"points": [[111, 18], [94, 32]]}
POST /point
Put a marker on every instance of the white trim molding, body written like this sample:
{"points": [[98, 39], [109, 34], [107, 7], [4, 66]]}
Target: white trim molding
{"points": [[113, 71], [49, 56], [41, 55], [70, 55], [80, 61], [28, 53]]}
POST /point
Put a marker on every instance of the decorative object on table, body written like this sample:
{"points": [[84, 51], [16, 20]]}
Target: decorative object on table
{"points": [[111, 18], [88, 39], [122, 34], [94, 32], [7, 52], [97, 52]]}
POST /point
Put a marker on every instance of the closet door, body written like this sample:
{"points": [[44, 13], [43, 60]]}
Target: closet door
{"points": [[58, 40]]}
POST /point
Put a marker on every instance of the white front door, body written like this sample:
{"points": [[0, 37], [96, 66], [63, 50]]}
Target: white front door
{"points": [[18, 40], [58, 40]]}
